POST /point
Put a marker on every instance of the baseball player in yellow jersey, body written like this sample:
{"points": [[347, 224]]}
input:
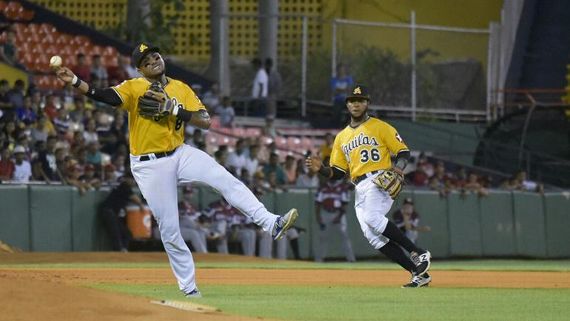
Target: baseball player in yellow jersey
{"points": [[158, 106], [363, 150]]}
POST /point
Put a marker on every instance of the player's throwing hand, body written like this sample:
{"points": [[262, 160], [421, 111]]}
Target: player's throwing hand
{"points": [[313, 163]]}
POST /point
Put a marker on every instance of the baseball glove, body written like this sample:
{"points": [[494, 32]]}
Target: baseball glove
{"points": [[390, 181], [154, 103]]}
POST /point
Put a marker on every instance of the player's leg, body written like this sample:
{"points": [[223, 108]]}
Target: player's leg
{"points": [[377, 204], [157, 181], [346, 245], [195, 165], [265, 244]]}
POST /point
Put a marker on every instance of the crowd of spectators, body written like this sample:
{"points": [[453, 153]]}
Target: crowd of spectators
{"points": [[434, 175]]}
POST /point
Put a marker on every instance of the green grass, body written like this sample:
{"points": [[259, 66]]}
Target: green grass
{"points": [[333, 303], [463, 265]]}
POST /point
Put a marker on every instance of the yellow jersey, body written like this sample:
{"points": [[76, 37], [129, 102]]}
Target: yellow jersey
{"points": [[366, 148], [148, 135]]}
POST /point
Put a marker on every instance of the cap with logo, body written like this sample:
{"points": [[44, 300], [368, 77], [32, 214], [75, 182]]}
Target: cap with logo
{"points": [[358, 92], [141, 51]]}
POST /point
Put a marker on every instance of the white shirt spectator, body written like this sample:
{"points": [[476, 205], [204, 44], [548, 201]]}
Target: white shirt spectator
{"points": [[227, 115], [260, 84], [304, 180], [22, 172], [251, 165], [90, 137], [237, 161]]}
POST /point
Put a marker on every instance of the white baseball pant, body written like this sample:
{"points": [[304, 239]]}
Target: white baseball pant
{"points": [[157, 179], [371, 206]]}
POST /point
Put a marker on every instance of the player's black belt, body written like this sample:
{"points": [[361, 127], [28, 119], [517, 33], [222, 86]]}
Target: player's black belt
{"points": [[363, 177], [157, 155]]}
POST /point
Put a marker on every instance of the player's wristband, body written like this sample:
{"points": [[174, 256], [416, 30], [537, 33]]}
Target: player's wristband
{"points": [[175, 110], [76, 82]]}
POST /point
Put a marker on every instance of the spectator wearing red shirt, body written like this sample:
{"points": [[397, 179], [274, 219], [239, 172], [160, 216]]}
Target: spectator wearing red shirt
{"points": [[50, 108], [82, 70], [7, 166]]}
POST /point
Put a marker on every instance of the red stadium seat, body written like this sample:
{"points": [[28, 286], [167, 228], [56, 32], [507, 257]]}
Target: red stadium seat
{"points": [[281, 142], [253, 132], [27, 15], [3, 5], [47, 29], [238, 131]]}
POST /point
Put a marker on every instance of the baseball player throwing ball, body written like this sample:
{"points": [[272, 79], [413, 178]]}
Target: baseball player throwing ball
{"points": [[158, 107], [363, 150]]}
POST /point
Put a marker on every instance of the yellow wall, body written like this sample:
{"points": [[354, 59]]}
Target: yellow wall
{"points": [[192, 35], [12, 74]]}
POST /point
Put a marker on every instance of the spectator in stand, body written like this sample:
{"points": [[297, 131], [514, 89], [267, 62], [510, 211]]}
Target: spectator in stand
{"points": [[118, 73], [226, 112], [110, 212], [474, 186], [440, 180], [42, 129], [237, 159], [259, 89], [38, 101], [109, 174], [274, 87], [306, 179], [290, 169], [190, 226], [90, 134], [269, 129], [274, 167], [9, 50], [26, 114], [89, 177], [125, 62], [73, 178], [408, 220], [61, 122], [525, 184], [211, 98], [94, 155], [6, 106], [51, 106], [426, 166], [17, 94], [11, 132], [99, 75], [47, 170], [419, 177], [252, 160], [22, 168], [330, 210], [461, 178], [77, 114], [197, 140], [326, 148], [82, 70], [7, 166], [340, 87]]}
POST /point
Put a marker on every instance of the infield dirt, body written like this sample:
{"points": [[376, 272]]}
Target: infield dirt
{"points": [[61, 294]]}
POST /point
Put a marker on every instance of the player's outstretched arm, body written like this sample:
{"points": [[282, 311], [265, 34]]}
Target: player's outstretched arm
{"points": [[104, 95]]}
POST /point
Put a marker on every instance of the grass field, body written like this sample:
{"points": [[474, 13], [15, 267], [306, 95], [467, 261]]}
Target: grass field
{"points": [[291, 298]]}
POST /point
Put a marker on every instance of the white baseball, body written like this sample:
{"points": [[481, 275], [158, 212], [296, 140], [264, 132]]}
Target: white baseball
{"points": [[55, 62]]}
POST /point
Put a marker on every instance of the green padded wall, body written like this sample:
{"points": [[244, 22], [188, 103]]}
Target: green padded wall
{"points": [[15, 217], [497, 224], [51, 219], [529, 224], [557, 211], [87, 228], [433, 213], [464, 224]]}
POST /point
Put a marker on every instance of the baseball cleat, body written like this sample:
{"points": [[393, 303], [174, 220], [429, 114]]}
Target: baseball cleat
{"points": [[422, 261], [193, 294], [418, 281], [283, 223]]}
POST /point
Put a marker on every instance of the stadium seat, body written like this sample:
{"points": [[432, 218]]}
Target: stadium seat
{"points": [[281, 142], [238, 132], [3, 5], [47, 29], [253, 132]]}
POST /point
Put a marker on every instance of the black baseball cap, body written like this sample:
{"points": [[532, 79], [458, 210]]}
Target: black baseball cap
{"points": [[408, 200], [140, 51], [359, 91]]}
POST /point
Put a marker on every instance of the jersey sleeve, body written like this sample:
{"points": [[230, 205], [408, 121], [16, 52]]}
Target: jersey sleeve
{"points": [[393, 140], [125, 92], [338, 159], [191, 100]]}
